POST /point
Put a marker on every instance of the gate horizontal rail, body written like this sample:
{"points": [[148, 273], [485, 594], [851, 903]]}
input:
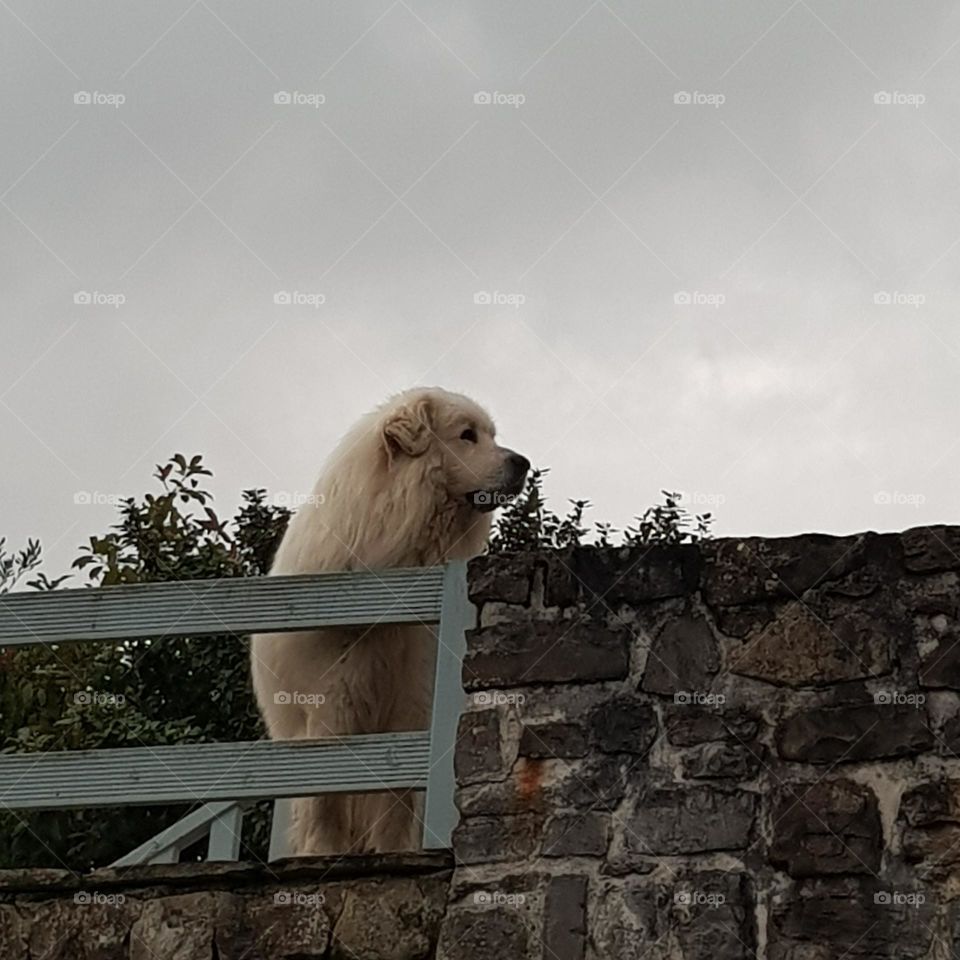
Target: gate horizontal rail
{"points": [[214, 771], [206, 607]]}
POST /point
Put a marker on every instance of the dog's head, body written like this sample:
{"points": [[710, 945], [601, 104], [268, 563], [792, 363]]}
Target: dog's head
{"points": [[457, 435]]}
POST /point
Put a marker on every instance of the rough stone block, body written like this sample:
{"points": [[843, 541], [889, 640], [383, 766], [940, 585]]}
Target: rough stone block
{"points": [[479, 752], [853, 918], [827, 827], [506, 578], [753, 569], [688, 725], [530, 652], [387, 921], [800, 648], [576, 835], [552, 739], [843, 734], [485, 933], [932, 548], [289, 924], [496, 839], [940, 667], [188, 926], [683, 657], [721, 760], [623, 725], [930, 815], [565, 918], [614, 575], [689, 819]]}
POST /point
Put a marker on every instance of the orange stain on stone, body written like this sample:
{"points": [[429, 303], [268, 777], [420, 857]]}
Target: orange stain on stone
{"points": [[529, 779]]}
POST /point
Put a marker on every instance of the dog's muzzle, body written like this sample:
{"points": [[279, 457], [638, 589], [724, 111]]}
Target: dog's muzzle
{"points": [[515, 467]]}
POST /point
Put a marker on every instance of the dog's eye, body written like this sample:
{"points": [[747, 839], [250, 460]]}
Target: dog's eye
{"points": [[469, 435]]}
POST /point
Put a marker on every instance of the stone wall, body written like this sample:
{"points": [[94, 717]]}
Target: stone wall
{"points": [[365, 908], [749, 750], [745, 750]]}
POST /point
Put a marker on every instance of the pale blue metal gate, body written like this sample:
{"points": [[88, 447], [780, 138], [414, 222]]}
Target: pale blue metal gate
{"points": [[229, 777]]}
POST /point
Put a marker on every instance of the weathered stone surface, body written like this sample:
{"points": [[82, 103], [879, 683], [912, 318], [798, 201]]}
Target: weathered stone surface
{"points": [[516, 654], [827, 827], [495, 839], [623, 725], [689, 819], [799, 648], [576, 835], [930, 814], [853, 918], [688, 725], [13, 933], [552, 739], [743, 620], [502, 577], [703, 916], [718, 760], [294, 923], [683, 657], [55, 928], [188, 926], [565, 920], [753, 569], [931, 594], [940, 667], [611, 576], [539, 786], [843, 734], [714, 917], [479, 752], [631, 919], [595, 783], [391, 921], [485, 933], [931, 548]]}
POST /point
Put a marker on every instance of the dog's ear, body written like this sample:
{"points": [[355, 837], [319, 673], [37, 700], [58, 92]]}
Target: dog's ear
{"points": [[409, 429]]}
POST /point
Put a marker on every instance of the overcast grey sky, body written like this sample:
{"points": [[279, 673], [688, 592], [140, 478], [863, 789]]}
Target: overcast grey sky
{"points": [[719, 240]]}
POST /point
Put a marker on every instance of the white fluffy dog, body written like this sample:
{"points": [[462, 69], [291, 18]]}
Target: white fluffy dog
{"points": [[412, 484]]}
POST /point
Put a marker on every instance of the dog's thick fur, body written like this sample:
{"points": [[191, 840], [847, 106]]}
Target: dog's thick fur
{"points": [[412, 484]]}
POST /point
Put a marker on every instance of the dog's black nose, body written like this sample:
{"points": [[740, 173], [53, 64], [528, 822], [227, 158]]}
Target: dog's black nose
{"points": [[518, 463]]}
